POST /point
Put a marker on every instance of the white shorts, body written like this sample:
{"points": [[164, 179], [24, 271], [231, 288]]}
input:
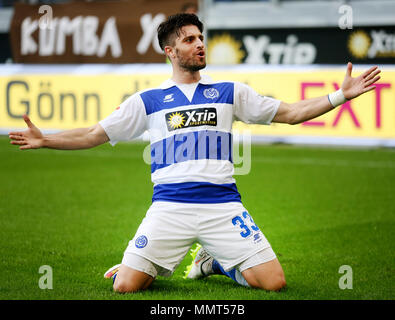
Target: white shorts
{"points": [[226, 230]]}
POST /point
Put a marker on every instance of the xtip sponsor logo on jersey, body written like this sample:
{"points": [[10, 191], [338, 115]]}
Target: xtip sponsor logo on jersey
{"points": [[191, 118]]}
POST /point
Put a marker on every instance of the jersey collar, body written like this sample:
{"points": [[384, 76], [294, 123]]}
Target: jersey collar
{"points": [[204, 79]]}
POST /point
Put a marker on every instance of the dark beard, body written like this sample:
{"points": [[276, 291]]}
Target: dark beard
{"points": [[188, 66], [194, 67]]}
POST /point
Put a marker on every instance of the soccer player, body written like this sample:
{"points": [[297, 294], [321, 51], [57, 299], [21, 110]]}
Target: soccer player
{"points": [[195, 198]]}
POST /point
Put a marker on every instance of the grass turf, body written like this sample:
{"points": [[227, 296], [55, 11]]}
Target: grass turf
{"points": [[75, 211]]}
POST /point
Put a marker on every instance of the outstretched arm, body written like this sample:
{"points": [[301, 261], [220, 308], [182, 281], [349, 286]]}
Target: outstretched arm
{"points": [[351, 88], [82, 138]]}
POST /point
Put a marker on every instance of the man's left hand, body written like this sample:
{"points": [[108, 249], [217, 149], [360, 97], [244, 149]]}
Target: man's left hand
{"points": [[354, 87]]}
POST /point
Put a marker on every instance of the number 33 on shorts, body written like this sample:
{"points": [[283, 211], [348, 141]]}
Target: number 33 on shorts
{"points": [[245, 222]]}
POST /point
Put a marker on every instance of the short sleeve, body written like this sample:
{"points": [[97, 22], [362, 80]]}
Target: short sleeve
{"points": [[250, 107], [127, 122]]}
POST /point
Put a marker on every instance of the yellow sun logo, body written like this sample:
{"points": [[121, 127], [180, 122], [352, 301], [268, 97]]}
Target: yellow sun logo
{"points": [[176, 120], [359, 44], [224, 49]]}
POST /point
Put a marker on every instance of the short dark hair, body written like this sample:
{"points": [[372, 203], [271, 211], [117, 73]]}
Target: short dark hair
{"points": [[173, 24]]}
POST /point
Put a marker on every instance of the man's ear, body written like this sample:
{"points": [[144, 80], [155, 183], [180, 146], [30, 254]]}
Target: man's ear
{"points": [[170, 52]]}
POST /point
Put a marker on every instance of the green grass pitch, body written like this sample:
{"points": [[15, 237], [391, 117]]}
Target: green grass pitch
{"points": [[75, 211]]}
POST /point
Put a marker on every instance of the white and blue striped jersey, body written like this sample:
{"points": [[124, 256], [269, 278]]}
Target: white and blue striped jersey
{"points": [[190, 127]]}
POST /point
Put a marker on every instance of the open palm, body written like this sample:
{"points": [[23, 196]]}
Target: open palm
{"points": [[354, 87], [32, 138]]}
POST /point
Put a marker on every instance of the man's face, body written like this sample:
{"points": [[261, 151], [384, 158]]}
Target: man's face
{"points": [[188, 49]]}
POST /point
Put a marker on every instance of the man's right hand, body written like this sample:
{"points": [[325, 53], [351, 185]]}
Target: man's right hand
{"points": [[32, 138]]}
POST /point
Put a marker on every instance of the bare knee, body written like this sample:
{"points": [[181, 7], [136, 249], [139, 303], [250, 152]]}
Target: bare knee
{"points": [[125, 287], [276, 284], [129, 280], [268, 276]]}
